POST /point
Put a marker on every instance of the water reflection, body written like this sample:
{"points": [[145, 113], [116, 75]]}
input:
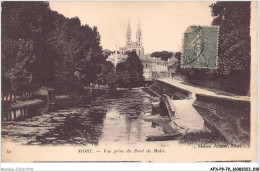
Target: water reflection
{"points": [[18, 114], [97, 117]]}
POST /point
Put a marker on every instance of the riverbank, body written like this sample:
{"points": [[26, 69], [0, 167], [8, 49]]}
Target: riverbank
{"points": [[225, 115], [204, 91], [21, 104], [95, 118]]}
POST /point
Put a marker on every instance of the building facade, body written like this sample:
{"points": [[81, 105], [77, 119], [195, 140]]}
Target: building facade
{"points": [[154, 68], [172, 66], [133, 46], [137, 46]]}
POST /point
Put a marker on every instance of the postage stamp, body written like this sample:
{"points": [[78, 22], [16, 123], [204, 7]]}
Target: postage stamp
{"points": [[200, 47]]}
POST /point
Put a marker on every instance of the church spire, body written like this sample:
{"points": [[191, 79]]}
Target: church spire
{"points": [[139, 33], [128, 35], [139, 27], [128, 32]]}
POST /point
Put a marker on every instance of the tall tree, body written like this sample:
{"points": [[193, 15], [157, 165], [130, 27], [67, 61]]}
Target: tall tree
{"points": [[42, 47], [130, 72], [107, 73], [164, 55], [233, 19], [177, 56], [24, 26]]}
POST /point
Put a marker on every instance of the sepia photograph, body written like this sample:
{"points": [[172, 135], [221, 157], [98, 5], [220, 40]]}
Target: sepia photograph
{"points": [[129, 81]]}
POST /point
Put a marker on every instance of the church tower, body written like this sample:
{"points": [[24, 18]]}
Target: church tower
{"points": [[139, 40], [139, 34], [128, 36], [136, 46]]}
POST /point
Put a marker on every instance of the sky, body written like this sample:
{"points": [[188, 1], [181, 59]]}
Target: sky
{"points": [[162, 23]]}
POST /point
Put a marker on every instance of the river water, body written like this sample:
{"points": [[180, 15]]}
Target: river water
{"points": [[93, 118]]}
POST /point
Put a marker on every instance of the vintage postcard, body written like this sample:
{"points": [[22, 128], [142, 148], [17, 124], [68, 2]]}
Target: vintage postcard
{"points": [[129, 81]]}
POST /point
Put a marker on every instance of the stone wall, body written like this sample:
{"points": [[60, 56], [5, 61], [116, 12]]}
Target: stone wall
{"points": [[227, 117]]}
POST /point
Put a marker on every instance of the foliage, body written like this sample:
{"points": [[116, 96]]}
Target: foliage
{"points": [[106, 52], [177, 56], [164, 55], [233, 19], [24, 25], [130, 72], [107, 74], [42, 47]]}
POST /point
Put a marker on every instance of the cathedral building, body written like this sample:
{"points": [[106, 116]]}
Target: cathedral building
{"points": [[121, 55], [153, 67], [133, 46]]}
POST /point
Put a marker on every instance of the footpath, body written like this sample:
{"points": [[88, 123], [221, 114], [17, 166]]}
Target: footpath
{"points": [[196, 90], [224, 113]]}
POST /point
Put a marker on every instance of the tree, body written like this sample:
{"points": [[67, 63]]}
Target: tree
{"points": [[233, 19], [24, 27], [130, 72], [8, 56], [164, 55], [106, 52], [67, 49], [90, 58], [177, 56], [42, 47], [107, 74]]}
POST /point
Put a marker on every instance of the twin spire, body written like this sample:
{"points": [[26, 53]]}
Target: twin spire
{"points": [[139, 27], [129, 29]]}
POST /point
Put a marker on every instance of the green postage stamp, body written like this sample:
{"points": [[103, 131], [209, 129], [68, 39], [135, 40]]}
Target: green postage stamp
{"points": [[200, 47]]}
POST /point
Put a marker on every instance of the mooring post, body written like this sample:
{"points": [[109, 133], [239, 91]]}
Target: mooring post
{"points": [[21, 111], [9, 116], [14, 114], [25, 111]]}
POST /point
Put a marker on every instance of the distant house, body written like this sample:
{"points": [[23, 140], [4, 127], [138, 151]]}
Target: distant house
{"points": [[172, 65], [147, 69], [154, 68]]}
